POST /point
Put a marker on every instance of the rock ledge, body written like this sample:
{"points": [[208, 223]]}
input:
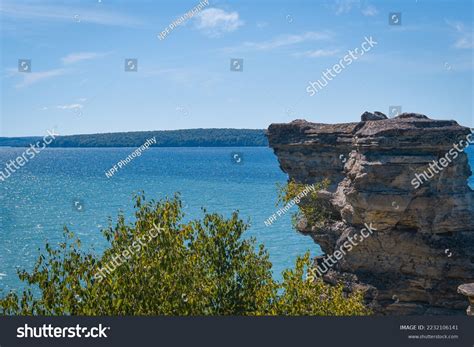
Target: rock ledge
{"points": [[423, 247]]}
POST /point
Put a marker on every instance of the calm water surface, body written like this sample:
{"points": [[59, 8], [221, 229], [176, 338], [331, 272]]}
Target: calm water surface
{"points": [[38, 200]]}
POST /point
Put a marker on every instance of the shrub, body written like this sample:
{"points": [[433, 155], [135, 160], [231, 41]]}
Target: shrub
{"points": [[202, 267], [311, 206]]}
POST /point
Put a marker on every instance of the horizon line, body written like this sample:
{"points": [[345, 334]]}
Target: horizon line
{"points": [[133, 131]]}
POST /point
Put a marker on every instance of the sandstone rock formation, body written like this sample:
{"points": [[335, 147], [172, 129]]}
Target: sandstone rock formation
{"points": [[366, 116], [468, 290], [423, 246]]}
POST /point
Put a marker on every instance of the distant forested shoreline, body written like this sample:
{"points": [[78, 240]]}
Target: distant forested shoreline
{"points": [[164, 138]]}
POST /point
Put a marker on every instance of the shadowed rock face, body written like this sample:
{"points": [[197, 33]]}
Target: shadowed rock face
{"points": [[423, 246]]}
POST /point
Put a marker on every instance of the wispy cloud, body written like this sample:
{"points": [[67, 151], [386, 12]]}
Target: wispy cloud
{"points": [[214, 21], [370, 11], [30, 78], [344, 6], [464, 36], [77, 57], [35, 77], [70, 106], [284, 41], [318, 53], [66, 13]]}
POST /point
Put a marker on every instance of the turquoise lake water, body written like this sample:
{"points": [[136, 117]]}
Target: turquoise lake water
{"points": [[38, 200]]}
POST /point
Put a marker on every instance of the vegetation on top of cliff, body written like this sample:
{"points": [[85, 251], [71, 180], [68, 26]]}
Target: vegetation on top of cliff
{"points": [[165, 138], [314, 209], [202, 267]]}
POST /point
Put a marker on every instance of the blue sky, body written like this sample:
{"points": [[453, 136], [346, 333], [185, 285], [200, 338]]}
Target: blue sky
{"points": [[77, 82]]}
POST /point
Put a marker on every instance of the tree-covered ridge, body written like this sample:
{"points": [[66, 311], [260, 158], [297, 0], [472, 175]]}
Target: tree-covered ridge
{"points": [[164, 138]]}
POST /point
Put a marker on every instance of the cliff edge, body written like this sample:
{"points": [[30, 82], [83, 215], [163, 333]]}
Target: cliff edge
{"points": [[407, 178]]}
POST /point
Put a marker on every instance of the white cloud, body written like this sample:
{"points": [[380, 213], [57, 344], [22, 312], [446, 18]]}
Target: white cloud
{"points": [[214, 21], [76, 57], [30, 78], [318, 53], [287, 40], [370, 11], [65, 13], [70, 107], [464, 39]]}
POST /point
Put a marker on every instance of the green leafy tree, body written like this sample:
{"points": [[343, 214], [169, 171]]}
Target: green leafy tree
{"points": [[314, 209], [159, 265]]}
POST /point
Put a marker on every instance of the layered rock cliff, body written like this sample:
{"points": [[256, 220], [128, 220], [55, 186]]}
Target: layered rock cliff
{"points": [[422, 247]]}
